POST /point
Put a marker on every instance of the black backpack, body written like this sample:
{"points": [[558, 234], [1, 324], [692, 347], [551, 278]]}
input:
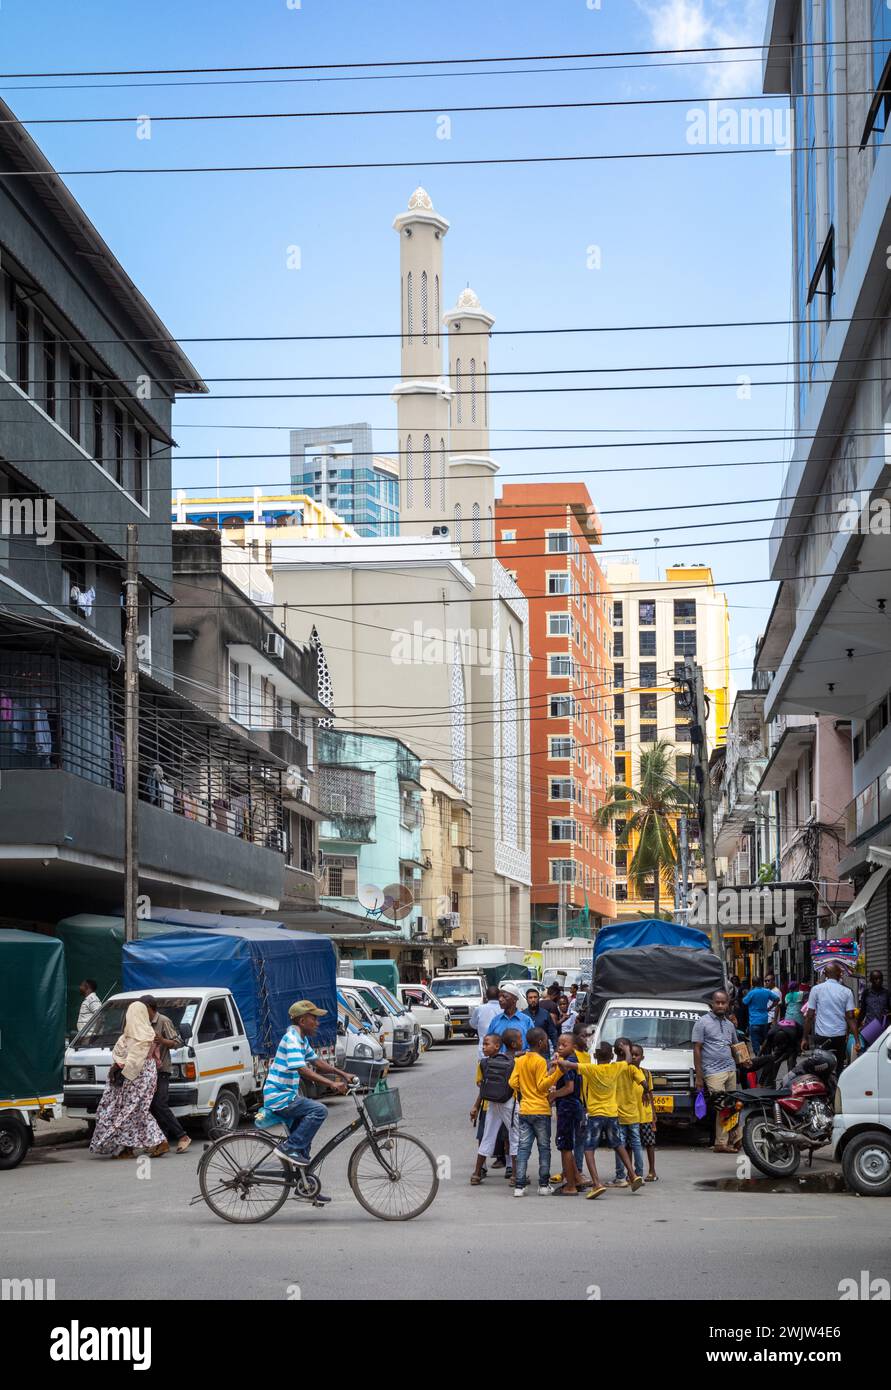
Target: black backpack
{"points": [[495, 1085]]}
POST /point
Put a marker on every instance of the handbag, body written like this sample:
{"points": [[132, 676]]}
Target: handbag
{"points": [[115, 1075]]}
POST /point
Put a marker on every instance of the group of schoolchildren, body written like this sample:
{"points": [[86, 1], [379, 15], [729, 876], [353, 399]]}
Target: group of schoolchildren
{"points": [[607, 1101]]}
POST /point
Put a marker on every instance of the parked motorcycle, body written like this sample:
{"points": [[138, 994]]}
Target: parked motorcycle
{"points": [[782, 1123]]}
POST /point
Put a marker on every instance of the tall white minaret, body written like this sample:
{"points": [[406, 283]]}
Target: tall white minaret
{"points": [[422, 397], [471, 469]]}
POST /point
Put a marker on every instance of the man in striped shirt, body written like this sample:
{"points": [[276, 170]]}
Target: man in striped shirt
{"points": [[294, 1061]]}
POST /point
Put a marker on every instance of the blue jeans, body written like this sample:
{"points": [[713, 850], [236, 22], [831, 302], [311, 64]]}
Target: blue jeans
{"points": [[630, 1136], [757, 1033], [537, 1129], [304, 1118]]}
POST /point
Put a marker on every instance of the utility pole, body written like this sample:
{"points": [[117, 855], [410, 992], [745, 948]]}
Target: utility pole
{"points": [[704, 807], [131, 737], [683, 870]]}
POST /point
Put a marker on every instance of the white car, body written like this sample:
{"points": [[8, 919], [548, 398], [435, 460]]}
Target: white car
{"points": [[861, 1131], [429, 1013]]}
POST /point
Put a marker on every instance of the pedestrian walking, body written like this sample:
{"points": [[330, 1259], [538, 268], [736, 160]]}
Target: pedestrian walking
{"points": [[497, 1102], [714, 1063], [532, 1081], [124, 1122], [875, 1003], [571, 1122], [510, 1016], [793, 1002], [166, 1038], [646, 1113], [758, 1002], [599, 1087], [830, 1016], [90, 1002], [629, 1087], [541, 1017], [481, 1016]]}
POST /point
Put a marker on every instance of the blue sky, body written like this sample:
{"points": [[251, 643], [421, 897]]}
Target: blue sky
{"points": [[680, 240]]}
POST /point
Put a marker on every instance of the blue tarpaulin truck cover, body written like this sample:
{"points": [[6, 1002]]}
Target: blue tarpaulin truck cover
{"points": [[266, 968], [650, 931]]}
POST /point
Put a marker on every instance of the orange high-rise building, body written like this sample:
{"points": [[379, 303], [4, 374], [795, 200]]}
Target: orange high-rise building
{"points": [[544, 534]]}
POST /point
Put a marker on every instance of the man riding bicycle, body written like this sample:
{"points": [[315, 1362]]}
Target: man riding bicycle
{"points": [[294, 1061]]}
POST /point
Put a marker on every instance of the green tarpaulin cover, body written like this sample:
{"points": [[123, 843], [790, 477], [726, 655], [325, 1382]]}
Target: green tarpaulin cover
{"points": [[93, 948], [32, 1015]]}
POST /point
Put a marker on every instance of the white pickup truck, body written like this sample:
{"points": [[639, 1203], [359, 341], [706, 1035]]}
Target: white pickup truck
{"points": [[214, 1076], [664, 1028]]}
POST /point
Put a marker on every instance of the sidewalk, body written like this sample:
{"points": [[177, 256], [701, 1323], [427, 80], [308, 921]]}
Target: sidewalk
{"points": [[48, 1133]]}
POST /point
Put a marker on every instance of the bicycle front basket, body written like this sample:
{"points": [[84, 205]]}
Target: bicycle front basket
{"points": [[384, 1108]]}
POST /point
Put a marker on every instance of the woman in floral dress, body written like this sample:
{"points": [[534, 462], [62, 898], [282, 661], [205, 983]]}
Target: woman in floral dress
{"points": [[123, 1120]]}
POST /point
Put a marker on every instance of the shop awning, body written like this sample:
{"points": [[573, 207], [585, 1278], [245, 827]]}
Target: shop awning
{"points": [[855, 918]]}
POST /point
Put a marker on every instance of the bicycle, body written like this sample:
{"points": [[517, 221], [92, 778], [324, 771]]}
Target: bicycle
{"points": [[244, 1179]]}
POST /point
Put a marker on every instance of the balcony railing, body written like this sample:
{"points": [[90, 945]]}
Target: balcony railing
{"points": [[61, 713], [868, 808]]}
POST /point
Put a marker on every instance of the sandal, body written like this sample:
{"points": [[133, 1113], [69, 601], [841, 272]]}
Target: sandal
{"points": [[566, 1192], [651, 1177], [475, 1180]]}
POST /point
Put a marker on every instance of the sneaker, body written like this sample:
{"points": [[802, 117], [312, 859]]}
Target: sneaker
{"points": [[519, 1191], [298, 1160], [546, 1191]]}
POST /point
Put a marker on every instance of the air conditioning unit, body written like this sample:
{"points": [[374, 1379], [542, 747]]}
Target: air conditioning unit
{"points": [[274, 645], [443, 922], [441, 531], [742, 869]]}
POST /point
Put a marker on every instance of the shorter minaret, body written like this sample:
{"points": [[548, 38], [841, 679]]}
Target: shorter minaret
{"points": [[422, 397], [472, 470]]}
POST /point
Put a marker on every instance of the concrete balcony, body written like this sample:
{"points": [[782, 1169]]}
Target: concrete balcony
{"points": [[462, 859]]}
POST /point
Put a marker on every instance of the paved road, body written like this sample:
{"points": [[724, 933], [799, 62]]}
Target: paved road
{"points": [[103, 1233]]}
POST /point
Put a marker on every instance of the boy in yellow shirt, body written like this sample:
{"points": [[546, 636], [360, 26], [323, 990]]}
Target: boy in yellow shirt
{"points": [[600, 1082], [532, 1081], [628, 1095], [647, 1115]]}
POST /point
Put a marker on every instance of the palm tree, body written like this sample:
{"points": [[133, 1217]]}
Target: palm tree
{"points": [[650, 812]]}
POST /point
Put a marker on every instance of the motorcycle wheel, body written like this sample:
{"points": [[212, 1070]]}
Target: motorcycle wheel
{"points": [[768, 1154]]}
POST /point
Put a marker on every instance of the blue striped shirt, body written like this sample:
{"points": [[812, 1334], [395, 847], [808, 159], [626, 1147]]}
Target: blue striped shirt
{"points": [[282, 1086]]}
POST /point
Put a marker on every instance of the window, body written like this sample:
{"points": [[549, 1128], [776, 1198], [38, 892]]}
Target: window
{"points": [[140, 462], [876, 721], [559, 625], [562, 829], [680, 672], [49, 373], [561, 706], [559, 664], [75, 390], [561, 789], [647, 673], [618, 645], [685, 612], [646, 612], [118, 445], [557, 542], [508, 537], [683, 764], [97, 411], [648, 733], [682, 733], [340, 879], [617, 614], [685, 642], [621, 860], [238, 690], [619, 706], [621, 892], [562, 871], [558, 582], [618, 677], [560, 747], [646, 643], [22, 344], [216, 1023], [648, 706], [619, 764]]}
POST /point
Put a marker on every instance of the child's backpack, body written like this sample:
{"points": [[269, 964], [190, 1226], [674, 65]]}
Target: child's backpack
{"points": [[495, 1085]]}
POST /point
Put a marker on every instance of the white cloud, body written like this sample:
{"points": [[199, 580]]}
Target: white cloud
{"points": [[678, 24]]}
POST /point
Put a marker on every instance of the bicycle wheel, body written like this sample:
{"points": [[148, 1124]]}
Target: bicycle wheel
{"points": [[402, 1194], [242, 1179]]}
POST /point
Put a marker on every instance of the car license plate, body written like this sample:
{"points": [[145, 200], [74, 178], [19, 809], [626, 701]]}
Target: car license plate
{"points": [[663, 1103]]}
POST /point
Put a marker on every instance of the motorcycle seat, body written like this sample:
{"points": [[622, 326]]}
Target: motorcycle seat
{"points": [[763, 1093]]}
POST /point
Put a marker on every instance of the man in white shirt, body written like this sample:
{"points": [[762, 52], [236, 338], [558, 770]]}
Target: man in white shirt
{"points": [[91, 1002], [830, 1016], [482, 1015]]}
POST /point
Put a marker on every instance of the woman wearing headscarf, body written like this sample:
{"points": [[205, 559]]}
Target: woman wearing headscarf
{"points": [[124, 1122]]}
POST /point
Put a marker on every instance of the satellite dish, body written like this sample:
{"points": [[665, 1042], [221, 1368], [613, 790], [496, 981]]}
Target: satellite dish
{"points": [[371, 897], [398, 901]]}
